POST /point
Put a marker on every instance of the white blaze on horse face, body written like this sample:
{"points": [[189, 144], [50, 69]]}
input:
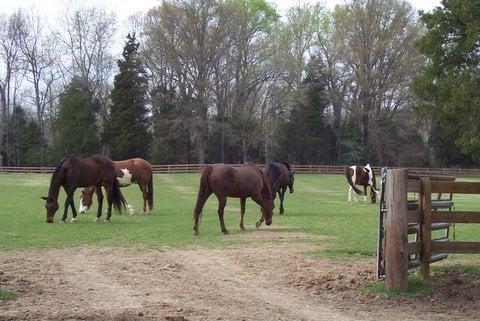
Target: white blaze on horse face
{"points": [[82, 209], [126, 180]]}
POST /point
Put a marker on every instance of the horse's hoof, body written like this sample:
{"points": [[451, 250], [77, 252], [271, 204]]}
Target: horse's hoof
{"points": [[62, 222], [95, 220], [195, 232], [225, 231], [257, 225], [73, 220], [131, 213], [107, 220]]}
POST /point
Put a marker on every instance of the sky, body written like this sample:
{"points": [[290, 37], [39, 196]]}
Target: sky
{"points": [[124, 8]]}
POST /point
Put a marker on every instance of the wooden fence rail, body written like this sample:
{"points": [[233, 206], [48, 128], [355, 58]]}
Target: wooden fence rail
{"points": [[305, 169]]}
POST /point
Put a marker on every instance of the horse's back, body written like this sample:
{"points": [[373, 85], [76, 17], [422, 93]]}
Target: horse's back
{"points": [[242, 181]]}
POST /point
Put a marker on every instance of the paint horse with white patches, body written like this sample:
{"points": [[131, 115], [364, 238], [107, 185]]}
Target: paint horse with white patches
{"points": [[362, 176], [135, 170]]}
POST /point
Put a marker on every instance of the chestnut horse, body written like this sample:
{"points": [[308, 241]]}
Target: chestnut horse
{"points": [[241, 182], [73, 172], [135, 170], [281, 177], [364, 176]]}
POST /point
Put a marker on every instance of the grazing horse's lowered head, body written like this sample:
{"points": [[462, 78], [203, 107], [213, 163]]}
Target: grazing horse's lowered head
{"points": [[363, 176], [51, 205]]}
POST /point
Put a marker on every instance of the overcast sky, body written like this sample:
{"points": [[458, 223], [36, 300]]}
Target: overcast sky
{"points": [[125, 8]]}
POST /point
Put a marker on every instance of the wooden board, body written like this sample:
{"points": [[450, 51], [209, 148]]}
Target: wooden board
{"points": [[456, 217], [456, 247], [456, 187]]}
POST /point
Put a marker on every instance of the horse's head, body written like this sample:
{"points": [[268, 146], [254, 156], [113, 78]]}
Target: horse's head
{"points": [[51, 205], [291, 181], [86, 199], [374, 195], [267, 211]]}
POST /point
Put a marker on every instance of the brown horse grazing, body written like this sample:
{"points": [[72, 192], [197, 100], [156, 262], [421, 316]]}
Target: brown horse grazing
{"points": [[361, 175], [242, 182], [135, 170], [73, 172], [281, 177]]}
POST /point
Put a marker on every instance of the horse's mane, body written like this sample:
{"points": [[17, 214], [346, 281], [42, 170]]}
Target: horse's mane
{"points": [[266, 191], [287, 165], [54, 176]]}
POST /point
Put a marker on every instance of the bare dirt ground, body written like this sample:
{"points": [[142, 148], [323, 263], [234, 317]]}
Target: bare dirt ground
{"points": [[266, 282]]}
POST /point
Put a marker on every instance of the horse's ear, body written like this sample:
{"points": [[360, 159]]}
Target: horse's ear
{"points": [[44, 198]]}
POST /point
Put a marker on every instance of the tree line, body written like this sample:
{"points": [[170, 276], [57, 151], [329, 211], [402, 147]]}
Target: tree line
{"points": [[234, 81]]}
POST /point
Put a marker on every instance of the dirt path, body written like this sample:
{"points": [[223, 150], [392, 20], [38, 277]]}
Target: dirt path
{"points": [[270, 282]]}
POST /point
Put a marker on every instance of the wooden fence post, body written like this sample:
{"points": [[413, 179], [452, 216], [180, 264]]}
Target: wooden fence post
{"points": [[426, 223], [396, 226]]}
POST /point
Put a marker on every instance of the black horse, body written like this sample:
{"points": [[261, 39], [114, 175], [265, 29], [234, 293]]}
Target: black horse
{"points": [[281, 177], [73, 172]]}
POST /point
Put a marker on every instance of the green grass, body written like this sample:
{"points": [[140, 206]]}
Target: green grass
{"points": [[416, 288], [317, 207], [7, 295]]}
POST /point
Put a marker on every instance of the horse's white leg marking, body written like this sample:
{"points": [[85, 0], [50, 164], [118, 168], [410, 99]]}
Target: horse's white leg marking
{"points": [[130, 209], [350, 194], [364, 198], [73, 220], [147, 209], [95, 220]]}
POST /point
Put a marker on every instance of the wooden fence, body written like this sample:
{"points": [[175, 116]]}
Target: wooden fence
{"points": [[307, 169], [420, 217]]}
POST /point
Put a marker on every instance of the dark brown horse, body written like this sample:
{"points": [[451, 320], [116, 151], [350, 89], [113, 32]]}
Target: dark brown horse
{"points": [[363, 176], [73, 172], [135, 170], [241, 182], [281, 177]]}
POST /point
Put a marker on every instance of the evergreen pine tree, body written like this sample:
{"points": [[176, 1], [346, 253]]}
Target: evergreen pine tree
{"points": [[127, 128], [76, 128], [306, 137]]}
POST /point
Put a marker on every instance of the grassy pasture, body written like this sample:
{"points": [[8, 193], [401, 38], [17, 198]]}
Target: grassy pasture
{"points": [[318, 207]]}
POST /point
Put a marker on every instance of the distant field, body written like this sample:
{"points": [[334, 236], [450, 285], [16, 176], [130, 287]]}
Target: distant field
{"points": [[317, 211]]}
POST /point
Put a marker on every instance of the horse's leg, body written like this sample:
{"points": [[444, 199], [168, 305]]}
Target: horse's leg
{"points": [[108, 190], [68, 202], [262, 218], [282, 195], [72, 205], [98, 191], [201, 199], [354, 196], [144, 189], [242, 212], [222, 202], [350, 195], [364, 194]]}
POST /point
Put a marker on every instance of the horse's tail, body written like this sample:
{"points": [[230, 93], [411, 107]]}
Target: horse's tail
{"points": [[204, 192], [117, 198], [348, 175], [150, 192]]}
